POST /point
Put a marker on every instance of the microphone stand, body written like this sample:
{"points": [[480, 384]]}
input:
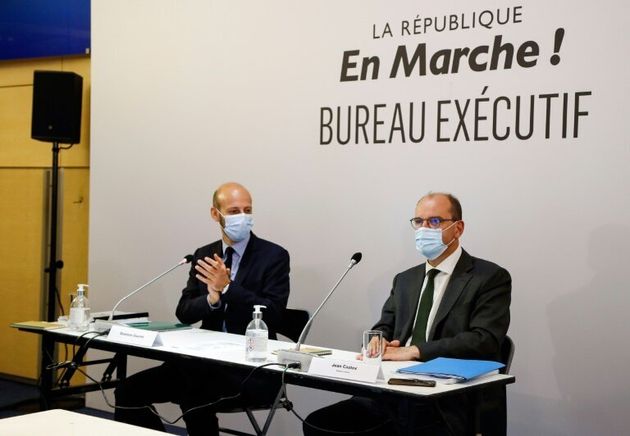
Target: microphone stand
{"points": [[307, 327], [182, 262], [300, 357], [103, 326]]}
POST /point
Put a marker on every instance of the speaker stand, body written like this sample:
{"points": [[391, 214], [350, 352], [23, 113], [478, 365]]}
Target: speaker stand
{"points": [[54, 265]]}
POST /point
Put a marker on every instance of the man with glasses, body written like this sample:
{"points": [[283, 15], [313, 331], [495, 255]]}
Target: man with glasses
{"points": [[454, 305], [226, 279]]}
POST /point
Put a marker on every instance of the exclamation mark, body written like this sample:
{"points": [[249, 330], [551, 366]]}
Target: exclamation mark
{"points": [[555, 59]]}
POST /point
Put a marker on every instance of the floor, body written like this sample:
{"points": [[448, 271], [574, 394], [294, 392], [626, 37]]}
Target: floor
{"points": [[21, 398]]}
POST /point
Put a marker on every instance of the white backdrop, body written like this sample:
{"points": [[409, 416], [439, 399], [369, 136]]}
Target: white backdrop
{"points": [[189, 94]]}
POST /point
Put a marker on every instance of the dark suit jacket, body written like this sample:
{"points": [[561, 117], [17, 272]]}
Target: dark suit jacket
{"points": [[472, 319], [262, 278], [471, 323]]}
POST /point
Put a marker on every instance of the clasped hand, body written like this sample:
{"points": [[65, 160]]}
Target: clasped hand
{"points": [[214, 274]]}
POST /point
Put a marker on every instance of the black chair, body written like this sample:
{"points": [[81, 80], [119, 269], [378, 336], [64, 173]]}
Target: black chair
{"points": [[494, 408], [293, 323], [507, 354]]}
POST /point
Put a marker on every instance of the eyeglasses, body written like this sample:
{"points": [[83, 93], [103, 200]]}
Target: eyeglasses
{"points": [[434, 222]]}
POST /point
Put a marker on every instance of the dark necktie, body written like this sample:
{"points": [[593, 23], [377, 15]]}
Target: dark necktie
{"points": [[228, 264], [426, 301], [228, 257]]}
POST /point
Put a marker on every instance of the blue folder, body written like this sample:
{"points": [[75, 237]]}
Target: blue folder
{"points": [[453, 369]]}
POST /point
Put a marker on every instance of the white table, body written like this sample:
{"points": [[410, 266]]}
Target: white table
{"points": [[228, 351], [59, 422]]}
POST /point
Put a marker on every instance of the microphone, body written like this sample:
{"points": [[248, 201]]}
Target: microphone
{"points": [[297, 356], [187, 259]]}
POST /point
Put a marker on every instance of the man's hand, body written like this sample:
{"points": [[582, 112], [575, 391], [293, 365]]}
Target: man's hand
{"points": [[373, 349], [214, 274], [393, 351]]}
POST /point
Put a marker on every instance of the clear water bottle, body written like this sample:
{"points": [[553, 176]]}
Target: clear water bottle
{"points": [[256, 337], [80, 311]]}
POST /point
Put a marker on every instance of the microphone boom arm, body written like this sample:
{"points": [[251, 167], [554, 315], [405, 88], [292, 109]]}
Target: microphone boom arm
{"points": [[295, 356], [307, 327], [184, 261]]}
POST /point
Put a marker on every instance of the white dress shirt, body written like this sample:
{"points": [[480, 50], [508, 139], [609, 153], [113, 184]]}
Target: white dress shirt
{"points": [[440, 282]]}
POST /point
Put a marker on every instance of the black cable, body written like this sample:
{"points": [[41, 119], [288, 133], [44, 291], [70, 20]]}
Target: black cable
{"points": [[57, 294], [155, 412], [210, 404], [76, 340], [63, 313], [235, 396], [65, 351], [51, 367], [230, 397], [66, 148], [66, 363], [92, 338]]}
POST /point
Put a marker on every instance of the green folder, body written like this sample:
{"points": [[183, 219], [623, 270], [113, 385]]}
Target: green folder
{"points": [[159, 326]]}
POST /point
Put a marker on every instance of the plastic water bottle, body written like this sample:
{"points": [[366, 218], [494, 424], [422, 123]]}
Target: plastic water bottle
{"points": [[80, 311], [256, 337]]}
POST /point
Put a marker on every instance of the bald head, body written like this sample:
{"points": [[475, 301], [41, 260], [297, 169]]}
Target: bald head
{"points": [[447, 207], [230, 199], [232, 195], [455, 206]]}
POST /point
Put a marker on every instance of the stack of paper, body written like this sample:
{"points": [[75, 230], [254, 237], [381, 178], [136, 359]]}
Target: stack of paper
{"points": [[315, 351], [449, 370], [37, 325]]}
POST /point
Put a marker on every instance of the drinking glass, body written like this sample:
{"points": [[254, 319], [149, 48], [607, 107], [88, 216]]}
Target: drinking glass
{"points": [[372, 346]]}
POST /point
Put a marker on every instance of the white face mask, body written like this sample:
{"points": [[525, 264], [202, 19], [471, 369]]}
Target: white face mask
{"points": [[237, 227], [429, 242]]}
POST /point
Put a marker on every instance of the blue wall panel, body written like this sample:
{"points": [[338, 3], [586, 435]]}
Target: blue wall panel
{"points": [[43, 28]]}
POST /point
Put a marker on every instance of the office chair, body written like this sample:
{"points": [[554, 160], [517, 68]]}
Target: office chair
{"points": [[494, 409], [507, 354], [293, 323]]}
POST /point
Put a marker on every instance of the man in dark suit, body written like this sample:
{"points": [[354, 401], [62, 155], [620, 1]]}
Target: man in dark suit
{"points": [[454, 305], [226, 279]]}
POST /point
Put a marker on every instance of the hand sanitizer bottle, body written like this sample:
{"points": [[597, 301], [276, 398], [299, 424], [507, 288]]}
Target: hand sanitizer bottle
{"points": [[80, 311], [256, 337]]}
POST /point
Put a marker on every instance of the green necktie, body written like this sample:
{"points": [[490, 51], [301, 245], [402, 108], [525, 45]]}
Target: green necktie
{"points": [[426, 301]]}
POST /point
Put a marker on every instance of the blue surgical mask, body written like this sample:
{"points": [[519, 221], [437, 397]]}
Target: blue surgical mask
{"points": [[237, 227], [429, 242]]}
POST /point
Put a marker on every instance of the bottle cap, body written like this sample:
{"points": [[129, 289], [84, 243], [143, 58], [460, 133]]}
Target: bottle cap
{"points": [[257, 312]]}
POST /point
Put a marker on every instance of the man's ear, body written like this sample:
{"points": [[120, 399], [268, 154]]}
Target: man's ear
{"points": [[460, 229], [214, 214]]}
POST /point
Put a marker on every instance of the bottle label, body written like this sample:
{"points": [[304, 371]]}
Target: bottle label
{"points": [[256, 344]]}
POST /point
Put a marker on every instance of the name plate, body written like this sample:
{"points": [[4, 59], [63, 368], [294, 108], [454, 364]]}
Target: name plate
{"points": [[131, 336], [355, 370]]}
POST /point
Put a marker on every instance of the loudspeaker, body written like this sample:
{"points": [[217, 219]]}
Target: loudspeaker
{"points": [[57, 107]]}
